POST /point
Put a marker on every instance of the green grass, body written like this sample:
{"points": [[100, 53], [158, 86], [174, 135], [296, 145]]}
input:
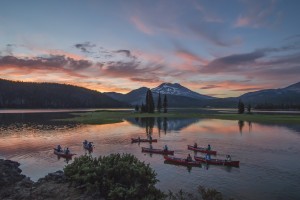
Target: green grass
{"points": [[108, 117]]}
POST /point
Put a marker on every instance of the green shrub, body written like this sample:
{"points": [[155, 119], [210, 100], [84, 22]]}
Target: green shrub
{"points": [[115, 176]]}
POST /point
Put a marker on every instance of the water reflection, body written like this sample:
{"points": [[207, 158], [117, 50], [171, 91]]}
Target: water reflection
{"points": [[266, 153], [41, 121], [162, 123], [241, 126]]}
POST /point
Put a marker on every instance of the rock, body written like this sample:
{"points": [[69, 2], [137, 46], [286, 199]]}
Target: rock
{"points": [[14, 185]]}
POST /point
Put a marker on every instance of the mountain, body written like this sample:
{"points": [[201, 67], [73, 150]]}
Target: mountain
{"points": [[288, 95], [178, 90], [52, 95], [178, 96]]}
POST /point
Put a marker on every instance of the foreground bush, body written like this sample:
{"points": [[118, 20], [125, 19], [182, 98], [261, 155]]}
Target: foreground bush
{"points": [[115, 176]]}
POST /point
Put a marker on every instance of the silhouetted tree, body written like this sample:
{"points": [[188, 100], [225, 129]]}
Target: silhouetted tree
{"points": [[159, 106], [149, 102], [241, 107], [137, 108], [143, 108], [165, 104], [249, 108]]}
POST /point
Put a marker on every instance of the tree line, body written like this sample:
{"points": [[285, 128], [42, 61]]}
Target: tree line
{"points": [[51, 95], [149, 106]]}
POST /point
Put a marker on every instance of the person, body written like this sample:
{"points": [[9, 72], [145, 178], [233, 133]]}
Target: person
{"points": [[150, 137], [85, 142], [189, 158], [139, 138], [195, 145], [166, 148], [209, 147], [67, 151], [228, 158], [207, 157], [90, 145], [58, 148]]}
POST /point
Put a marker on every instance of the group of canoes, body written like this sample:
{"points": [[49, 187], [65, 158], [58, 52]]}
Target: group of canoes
{"points": [[188, 161], [66, 153]]}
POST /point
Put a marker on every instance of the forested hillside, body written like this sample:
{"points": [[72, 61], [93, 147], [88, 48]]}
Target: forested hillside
{"points": [[51, 95]]}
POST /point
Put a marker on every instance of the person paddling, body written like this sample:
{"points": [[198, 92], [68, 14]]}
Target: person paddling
{"points": [[195, 145], [209, 147], [189, 158], [67, 151], [166, 148], [58, 148]]}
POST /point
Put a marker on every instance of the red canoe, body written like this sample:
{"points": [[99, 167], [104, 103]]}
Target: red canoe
{"points": [[218, 162], [202, 150], [159, 151], [182, 161], [143, 140], [62, 154]]}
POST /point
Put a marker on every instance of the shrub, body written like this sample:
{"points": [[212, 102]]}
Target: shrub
{"points": [[115, 176]]}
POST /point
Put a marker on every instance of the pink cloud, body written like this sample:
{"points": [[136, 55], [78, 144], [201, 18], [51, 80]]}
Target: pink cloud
{"points": [[141, 25], [242, 21], [190, 57]]}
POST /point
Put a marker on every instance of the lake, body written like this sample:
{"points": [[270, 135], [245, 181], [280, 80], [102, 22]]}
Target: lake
{"points": [[268, 154]]}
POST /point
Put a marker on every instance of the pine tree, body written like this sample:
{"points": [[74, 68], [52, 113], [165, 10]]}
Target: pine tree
{"points": [[149, 102], [143, 108], [159, 106], [165, 104], [137, 108], [249, 108], [241, 107]]}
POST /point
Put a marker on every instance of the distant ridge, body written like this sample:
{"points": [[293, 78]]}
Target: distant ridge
{"points": [[16, 94]]}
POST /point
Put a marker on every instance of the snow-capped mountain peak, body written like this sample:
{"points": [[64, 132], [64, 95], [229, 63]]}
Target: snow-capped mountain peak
{"points": [[178, 90]]}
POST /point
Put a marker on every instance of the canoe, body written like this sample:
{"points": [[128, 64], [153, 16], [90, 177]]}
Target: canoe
{"points": [[159, 151], [62, 154], [182, 161], [201, 149], [86, 146], [218, 161], [142, 140]]}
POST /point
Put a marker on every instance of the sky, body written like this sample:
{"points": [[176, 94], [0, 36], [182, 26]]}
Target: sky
{"points": [[221, 48]]}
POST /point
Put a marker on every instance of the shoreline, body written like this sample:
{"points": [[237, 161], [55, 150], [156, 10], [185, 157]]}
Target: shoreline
{"points": [[53, 186], [109, 117]]}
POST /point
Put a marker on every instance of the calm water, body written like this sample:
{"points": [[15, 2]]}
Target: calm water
{"points": [[269, 154]]}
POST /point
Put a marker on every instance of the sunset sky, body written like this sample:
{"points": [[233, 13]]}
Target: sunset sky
{"points": [[220, 48]]}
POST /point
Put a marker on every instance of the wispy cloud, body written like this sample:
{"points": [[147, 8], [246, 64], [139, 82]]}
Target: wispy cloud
{"points": [[258, 14], [209, 87], [247, 89], [141, 26]]}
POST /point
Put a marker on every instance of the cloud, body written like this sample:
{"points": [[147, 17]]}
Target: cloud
{"points": [[51, 63], [126, 52], [258, 14], [247, 89], [132, 70], [189, 56], [85, 47], [232, 63], [140, 25], [145, 80], [214, 35], [209, 87]]}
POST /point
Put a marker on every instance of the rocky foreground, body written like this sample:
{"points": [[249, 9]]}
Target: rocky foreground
{"points": [[14, 185]]}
